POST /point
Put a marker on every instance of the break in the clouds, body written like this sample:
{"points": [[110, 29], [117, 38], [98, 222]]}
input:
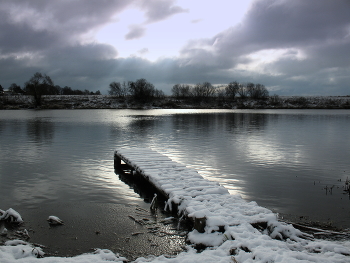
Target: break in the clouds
{"points": [[292, 47]]}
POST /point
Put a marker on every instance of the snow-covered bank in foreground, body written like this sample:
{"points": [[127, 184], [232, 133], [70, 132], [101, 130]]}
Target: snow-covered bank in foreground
{"points": [[25, 253], [249, 246], [239, 243]]}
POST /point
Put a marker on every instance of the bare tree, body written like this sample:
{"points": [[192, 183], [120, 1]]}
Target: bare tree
{"points": [[203, 91], [260, 92], [124, 89], [118, 89], [181, 91], [250, 89], [185, 91], [242, 91], [115, 89], [37, 86], [232, 89], [15, 89], [176, 91], [159, 94], [257, 91], [209, 90], [141, 90]]}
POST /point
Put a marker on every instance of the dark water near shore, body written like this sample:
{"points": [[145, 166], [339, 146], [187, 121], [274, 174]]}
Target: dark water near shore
{"points": [[60, 162]]}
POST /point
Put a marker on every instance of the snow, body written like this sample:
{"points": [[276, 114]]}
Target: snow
{"points": [[196, 197], [112, 102], [54, 220], [235, 230], [11, 215], [25, 253]]}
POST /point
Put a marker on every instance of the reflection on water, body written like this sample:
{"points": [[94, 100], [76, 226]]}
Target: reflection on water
{"points": [[40, 131], [281, 159]]}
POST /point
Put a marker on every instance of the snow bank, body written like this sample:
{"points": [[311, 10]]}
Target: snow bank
{"points": [[113, 102], [275, 254], [25, 253], [262, 249], [54, 220], [11, 215]]}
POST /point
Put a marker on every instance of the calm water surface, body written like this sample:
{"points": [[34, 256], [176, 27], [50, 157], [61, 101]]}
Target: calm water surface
{"points": [[61, 161]]}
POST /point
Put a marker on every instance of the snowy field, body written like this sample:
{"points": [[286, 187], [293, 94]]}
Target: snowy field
{"points": [[235, 231], [112, 102]]}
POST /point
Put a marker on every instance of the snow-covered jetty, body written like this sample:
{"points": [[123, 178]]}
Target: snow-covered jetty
{"points": [[210, 206], [176, 182], [239, 230]]}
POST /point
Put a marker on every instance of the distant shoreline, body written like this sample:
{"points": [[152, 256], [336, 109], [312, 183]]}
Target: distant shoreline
{"points": [[14, 102]]}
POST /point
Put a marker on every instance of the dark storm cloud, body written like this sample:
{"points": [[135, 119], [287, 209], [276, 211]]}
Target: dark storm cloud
{"points": [[166, 72], [46, 36], [80, 67], [291, 23], [319, 30], [16, 37], [35, 24], [312, 37], [272, 24], [14, 70]]}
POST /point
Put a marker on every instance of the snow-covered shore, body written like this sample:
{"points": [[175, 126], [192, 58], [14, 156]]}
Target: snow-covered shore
{"points": [[112, 102], [239, 243], [250, 233]]}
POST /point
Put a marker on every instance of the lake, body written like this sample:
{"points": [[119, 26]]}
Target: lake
{"points": [[60, 162]]}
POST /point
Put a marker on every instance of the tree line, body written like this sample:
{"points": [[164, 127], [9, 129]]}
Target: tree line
{"points": [[232, 90], [143, 91], [41, 84], [140, 90]]}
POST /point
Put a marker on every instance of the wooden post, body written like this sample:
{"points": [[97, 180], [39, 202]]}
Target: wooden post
{"points": [[199, 224], [117, 162]]}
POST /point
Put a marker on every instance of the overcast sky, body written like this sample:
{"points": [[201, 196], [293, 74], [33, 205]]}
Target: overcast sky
{"points": [[293, 47]]}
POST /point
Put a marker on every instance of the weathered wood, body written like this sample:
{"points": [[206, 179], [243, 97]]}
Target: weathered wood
{"points": [[199, 224], [117, 162], [154, 164]]}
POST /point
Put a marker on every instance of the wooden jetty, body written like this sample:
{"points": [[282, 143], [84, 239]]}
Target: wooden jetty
{"points": [[252, 231], [168, 177], [207, 204]]}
